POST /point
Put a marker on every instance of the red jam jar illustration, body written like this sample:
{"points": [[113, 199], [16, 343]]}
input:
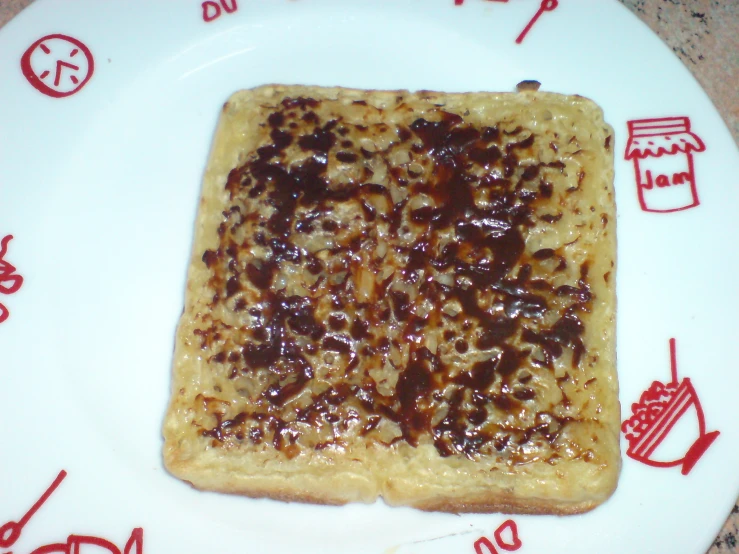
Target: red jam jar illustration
{"points": [[665, 415], [662, 153]]}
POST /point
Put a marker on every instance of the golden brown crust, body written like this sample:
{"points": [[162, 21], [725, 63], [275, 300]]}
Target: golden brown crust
{"points": [[402, 294], [509, 506]]}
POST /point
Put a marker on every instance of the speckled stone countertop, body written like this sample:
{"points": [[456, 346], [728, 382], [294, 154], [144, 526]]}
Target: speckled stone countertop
{"points": [[705, 36]]}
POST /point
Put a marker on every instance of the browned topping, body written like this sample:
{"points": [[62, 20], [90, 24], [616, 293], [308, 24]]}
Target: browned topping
{"points": [[528, 85], [384, 287]]}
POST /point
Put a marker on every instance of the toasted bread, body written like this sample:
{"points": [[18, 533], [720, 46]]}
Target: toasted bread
{"points": [[402, 295]]}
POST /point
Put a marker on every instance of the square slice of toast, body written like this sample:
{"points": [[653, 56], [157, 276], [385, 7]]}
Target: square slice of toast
{"points": [[402, 295]]}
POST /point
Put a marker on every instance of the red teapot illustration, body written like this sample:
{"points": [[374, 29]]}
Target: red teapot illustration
{"points": [[10, 281], [75, 544]]}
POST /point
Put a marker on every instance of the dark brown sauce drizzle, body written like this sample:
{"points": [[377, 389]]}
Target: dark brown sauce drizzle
{"points": [[489, 245]]}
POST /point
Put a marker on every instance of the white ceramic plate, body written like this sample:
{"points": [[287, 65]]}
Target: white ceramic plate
{"points": [[103, 140]]}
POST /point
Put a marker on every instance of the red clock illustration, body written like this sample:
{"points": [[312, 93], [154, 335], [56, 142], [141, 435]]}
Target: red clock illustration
{"points": [[57, 65]]}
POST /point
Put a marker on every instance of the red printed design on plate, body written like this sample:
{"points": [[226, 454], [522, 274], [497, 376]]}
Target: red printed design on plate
{"points": [[58, 65], [10, 281], [213, 9], [75, 544], [545, 6], [662, 152], [668, 428], [505, 537]]}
